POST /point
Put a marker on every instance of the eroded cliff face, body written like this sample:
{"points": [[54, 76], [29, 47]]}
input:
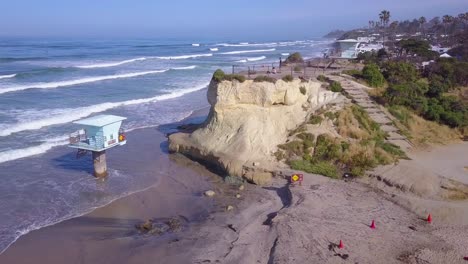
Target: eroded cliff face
{"points": [[247, 122]]}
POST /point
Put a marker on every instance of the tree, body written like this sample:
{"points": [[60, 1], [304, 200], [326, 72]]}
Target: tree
{"points": [[384, 19], [422, 20], [446, 20], [400, 72]]}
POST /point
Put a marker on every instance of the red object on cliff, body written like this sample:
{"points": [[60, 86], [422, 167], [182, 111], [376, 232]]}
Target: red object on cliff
{"points": [[372, 225], [341, 245], [465, 258], [429, 218]]}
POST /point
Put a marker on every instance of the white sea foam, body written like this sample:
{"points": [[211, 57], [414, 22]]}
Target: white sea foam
{"points": [[183, 57], [245, 44], [185, 68], [67, 115], [196, 45], [7, 76], [285, 54], [34, 150], [214, 49], [256, 58], [252, 59], [110, 64], [246, 51], [51, 85]]}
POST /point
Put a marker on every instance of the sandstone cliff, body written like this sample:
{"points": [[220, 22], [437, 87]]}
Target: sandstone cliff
{"points": [[246, 123]]}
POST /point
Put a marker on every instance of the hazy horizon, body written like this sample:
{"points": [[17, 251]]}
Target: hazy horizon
{"points": [[296, 19]]}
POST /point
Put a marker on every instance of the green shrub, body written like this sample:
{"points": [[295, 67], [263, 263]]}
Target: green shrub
{"points": [[294, 58], [231, 77], [288, 78], [354, 73], [218, 75], [297, 68], [331, 115], [321, 167], [315, 119], [295, 147], [263, 78], [322, 78], [336, 87], [371, 73], [303, 90], [400, 72]]}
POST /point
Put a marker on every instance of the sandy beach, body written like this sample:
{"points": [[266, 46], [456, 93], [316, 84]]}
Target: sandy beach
{"points": [[278, 223]]}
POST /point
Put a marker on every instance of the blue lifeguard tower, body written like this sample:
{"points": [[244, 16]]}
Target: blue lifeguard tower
{"points": [[98, 134]]}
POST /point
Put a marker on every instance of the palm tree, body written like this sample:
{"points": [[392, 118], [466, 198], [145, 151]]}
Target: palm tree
{"points": [[447, 20], [422, 20], [384, 19]]}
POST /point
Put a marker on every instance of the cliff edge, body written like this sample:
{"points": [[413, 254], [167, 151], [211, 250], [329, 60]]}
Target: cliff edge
{"points": [[247, 121]]}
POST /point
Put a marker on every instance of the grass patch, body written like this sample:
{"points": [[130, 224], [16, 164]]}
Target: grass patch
{"points": [[331, 156], [322, 167], [315, 119], [336, 87], [303, 90], [220, 76], [422, 132], [288, 78], [263, 78]]}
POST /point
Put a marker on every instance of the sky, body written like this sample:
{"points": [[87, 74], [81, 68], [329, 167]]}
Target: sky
{"points": [[205, 19]]}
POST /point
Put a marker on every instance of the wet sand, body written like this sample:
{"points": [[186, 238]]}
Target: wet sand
{"points": [[279, 223]]}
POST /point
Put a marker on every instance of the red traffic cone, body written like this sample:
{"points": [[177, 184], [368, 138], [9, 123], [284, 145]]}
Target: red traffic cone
{"points": [[372, 224], [341, 245], [429, 218]]}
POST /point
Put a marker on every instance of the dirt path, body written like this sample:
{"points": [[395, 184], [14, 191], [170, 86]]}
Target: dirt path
{"points": [[359, 94]]}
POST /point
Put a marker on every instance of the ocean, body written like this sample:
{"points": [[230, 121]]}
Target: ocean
{"points": [[45, 85]]}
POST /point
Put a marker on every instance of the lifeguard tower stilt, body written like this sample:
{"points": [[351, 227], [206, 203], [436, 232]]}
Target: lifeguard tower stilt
{"points": [[100, 133]]}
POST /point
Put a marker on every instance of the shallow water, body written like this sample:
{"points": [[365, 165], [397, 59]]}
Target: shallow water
{"points": [[47, 84]]}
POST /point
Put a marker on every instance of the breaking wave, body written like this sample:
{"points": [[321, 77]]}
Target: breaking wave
{"points": [[182, 57], [7, 76], [214, 49], [246, 51], [52, 85], [67, 115], [110, 64], [252, 59]]}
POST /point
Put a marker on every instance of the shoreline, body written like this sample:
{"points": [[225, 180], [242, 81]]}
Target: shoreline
{"points": [[160, 136]]}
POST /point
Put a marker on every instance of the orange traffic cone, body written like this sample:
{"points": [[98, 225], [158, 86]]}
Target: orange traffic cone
{"points": [[429, 218], [341, 245], [372, 224]]}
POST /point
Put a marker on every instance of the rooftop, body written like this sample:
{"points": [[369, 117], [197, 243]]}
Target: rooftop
{"points": [[100, 120]]}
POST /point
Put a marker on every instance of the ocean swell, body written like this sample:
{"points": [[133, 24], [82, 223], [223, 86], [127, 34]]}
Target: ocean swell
{"points": [[67, 115], [246, 51], [110, 64]]}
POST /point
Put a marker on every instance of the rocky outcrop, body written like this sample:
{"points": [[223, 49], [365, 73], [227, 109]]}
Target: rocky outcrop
{"points": [[246, 123]]}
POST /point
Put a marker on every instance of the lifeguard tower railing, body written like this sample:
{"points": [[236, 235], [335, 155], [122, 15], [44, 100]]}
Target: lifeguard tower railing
{"points": [[80, 140]]}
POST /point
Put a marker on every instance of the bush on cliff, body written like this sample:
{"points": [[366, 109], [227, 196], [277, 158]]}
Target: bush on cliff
{"points": [[336, 87], [329, 155], [263, 78], [288, 78], [220, 76], [296, 57]]}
